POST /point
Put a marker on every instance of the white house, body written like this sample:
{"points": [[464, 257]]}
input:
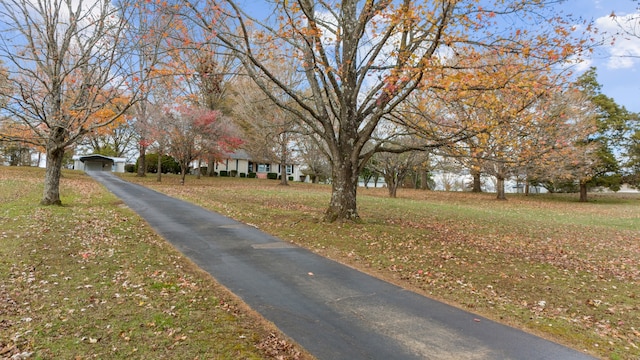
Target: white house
{"points": [[96, 162], [240, 162]]}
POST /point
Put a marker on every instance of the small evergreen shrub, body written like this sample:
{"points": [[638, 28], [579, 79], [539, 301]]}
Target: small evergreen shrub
{"points": [[233, 173], [252, 175], [272, 176], [224, 173], [243, 175]]}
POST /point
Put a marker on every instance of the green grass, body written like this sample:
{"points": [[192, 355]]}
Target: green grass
{"points": [[565, 270], [90, 279]]}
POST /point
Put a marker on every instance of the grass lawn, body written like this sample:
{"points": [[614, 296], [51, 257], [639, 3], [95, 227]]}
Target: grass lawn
{"points": [[565, 270], [90, 279]]}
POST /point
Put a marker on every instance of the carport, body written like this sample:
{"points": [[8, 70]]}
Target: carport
{"points": [[97, 163]]}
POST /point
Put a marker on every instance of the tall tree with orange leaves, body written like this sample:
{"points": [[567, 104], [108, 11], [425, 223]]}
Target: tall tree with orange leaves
{"points": [[362, 59], [70, 65], [504, 110]]}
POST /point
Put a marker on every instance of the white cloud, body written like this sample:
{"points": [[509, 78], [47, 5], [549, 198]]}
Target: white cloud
{"points": [[624, 51], [580, 65]]}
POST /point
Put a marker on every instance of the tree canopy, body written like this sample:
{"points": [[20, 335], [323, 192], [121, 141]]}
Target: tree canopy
{"points": [[70, 71], [362, 59]]}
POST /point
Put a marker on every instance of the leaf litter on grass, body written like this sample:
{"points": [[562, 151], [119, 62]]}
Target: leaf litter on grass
{"points": [[550, 265], [91, 280]]}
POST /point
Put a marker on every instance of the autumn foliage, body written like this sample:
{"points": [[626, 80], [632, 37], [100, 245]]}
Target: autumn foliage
{"points": [[360, 62], [198, 134]]}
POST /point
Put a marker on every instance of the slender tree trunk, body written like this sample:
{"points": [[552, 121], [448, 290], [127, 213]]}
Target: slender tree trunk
{"points": [[500, 187], [199, 167], [142, 162], [53, 172], [583, 191], [344, 188], [392, 184], [283, 166], [365, 180], [159, 176], [183, 175]]}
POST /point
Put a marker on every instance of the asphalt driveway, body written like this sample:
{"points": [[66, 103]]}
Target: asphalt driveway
{"points": [[332, 310]]}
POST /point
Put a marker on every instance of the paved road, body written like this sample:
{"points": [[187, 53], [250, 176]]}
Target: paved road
{"points": [[333, 311]]}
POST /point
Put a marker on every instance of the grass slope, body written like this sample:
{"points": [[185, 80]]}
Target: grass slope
{"points": [[565, 270], [91, 280]]}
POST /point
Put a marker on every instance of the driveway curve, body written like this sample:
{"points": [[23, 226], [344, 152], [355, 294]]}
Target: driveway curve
{"points": [[333, 311]]}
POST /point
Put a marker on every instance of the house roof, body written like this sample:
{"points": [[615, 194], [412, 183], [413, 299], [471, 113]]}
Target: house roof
{"points": [[239, 154], [97, 157]]}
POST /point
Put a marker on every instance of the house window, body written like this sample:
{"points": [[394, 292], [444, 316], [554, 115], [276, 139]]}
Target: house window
{"points": [[263, 168], [289, 169]]}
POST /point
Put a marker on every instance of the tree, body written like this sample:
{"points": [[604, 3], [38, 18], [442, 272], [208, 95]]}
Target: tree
{"points": [[361, 59], [167, 164], [67, 63], [396, 167], [194, 133], [154, 25], [504, 118], [5, 88], [629, 29], [633, 164], [615, 126], [269, 131], [572, 159], [115, 139], [314, 157], [369, 172]]}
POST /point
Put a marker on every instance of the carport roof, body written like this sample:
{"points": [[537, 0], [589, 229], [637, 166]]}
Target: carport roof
{"points": [[96, 158]]}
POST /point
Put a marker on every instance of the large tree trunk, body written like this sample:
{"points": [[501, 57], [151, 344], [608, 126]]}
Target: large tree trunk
{"points": [[210, 165], [53, 172], [477, 183], [344, 187], [424, 180], [283, 174], [583, 191]]}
